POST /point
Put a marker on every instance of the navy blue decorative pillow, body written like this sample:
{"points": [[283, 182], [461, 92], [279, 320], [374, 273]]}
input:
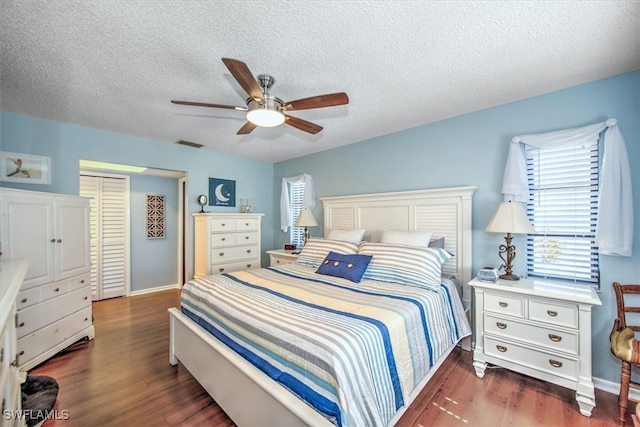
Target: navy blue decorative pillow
{"points": [[350, 267]]}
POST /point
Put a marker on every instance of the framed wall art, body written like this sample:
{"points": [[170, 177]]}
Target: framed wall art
{"points": [[222, 192], [155, 216], [25, 168]]}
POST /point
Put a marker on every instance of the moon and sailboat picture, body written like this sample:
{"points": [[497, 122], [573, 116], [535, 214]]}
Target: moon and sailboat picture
{"points": [[222, 192]]}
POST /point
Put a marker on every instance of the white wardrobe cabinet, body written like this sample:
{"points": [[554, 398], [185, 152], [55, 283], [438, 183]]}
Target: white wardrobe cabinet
{"points": [[54, 302]]}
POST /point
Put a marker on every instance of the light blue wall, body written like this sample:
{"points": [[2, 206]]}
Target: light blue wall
{"points": [[472, 150], [66, 144], [146, 271]]}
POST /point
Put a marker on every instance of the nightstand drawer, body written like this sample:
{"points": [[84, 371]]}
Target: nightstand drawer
{"points": [[546, 362], [550, 338], [563, 315], [504, 304]]}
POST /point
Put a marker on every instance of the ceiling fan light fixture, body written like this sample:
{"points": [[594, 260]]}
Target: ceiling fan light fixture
{"points": [[268, 114], [265, 117]]}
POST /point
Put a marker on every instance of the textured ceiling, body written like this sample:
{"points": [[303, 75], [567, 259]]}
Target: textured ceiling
{"points": [[115, 65]]}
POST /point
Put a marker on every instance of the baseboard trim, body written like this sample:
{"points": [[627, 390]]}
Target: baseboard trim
{"points": [[156, 289], [614, 388]]}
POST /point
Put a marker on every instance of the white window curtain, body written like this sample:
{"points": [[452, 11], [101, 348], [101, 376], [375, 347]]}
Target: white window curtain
{"points": [[614, 230], [308, 202]]}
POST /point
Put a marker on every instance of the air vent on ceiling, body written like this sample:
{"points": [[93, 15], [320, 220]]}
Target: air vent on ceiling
{"points": [[189, 143]]}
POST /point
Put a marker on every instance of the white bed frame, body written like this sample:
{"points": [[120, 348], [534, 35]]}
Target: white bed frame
{"points": [[249, 396]]}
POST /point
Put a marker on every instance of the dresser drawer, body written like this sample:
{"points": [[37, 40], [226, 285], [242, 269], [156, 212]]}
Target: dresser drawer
{"points": [[235, 266], [550, 338], [79, 281], [223, 239], [222, 224], [233, 253], [544, 311], [504, 304], [245, 224], [55, 289], [35, 317], [539, 360], [42, 340], [248, 237], [27, 298]]}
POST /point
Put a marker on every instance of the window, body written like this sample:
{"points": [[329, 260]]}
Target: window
{"points": [[562, 207], [295, 206]]}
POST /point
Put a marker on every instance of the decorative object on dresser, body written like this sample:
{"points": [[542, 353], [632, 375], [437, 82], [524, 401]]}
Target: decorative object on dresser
{"points": [[509, 218], [281, 257], [538, 328], [202, 201], [54, 304], [306, 220], [226, 242], [12, 272]]}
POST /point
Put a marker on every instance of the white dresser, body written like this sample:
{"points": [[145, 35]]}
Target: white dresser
{"points": [[54, 302], [12, 273], [226, 242], [537, 328]]}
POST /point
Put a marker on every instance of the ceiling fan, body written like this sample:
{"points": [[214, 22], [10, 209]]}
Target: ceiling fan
{"points": [[264, 109]]}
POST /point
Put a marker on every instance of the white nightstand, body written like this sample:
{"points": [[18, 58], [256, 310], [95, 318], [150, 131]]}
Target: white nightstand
{"points": [[537, 328], [281, 257]]}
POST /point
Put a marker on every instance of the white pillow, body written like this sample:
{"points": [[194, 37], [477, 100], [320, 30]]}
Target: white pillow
{"points": [[346, 235], [409, 238]]}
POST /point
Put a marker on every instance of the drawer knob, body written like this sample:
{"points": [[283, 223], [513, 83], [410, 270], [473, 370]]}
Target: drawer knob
{"points": [[501, 325], [246, 237], [221, 270], [21, 353], [552, 313], [86, 297], [503, 304], [223, 239], [246, 223], [501, 348], [86, 318], [23, 300], [248, 251], [82, 281], [59, 240], [20, 325], [555, 363], [221, 253], [56, 290], [53, 240], [248, 265], [224, 225], [555, 338]]}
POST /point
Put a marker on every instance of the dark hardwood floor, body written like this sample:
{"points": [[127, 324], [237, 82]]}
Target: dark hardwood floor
{"points": [[123, 378]]}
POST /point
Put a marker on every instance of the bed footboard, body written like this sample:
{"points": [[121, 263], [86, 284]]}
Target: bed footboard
{"points": [[244, 392]]}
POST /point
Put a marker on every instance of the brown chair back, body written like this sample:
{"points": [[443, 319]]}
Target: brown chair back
{"points": [[627, 303]]}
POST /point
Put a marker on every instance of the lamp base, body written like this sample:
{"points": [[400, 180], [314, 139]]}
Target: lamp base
{"points": [[509, 276]]}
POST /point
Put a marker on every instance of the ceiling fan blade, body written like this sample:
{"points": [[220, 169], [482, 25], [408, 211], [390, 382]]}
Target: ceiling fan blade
{"points": [[242, 74], [320, 101], [302, 124], [246, 129], [203, 104]]}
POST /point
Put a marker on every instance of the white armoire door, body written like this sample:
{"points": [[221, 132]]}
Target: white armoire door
{"points": [[109, 234]]}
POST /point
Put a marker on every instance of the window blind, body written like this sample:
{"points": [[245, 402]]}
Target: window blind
{"points": [[295, 207], [562, 207]]}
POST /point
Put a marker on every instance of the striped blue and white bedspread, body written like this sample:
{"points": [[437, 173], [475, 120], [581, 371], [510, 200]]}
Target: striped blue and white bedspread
{"points": [[353, 351]]}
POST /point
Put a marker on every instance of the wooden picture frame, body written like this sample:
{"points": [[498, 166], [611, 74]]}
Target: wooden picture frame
{"points": [[25, 168]]}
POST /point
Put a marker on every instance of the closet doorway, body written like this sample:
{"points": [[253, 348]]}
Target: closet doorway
{"points": [[109, 222]]}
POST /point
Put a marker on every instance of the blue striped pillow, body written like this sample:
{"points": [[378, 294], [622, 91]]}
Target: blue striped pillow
{"points": [[408, 265], [317, 249]]}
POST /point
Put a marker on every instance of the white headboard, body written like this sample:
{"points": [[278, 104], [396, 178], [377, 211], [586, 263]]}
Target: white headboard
{"points": [[445, 212]]}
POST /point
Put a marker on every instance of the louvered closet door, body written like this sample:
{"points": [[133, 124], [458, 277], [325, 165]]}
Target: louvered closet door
{"points": [[108, 234]]}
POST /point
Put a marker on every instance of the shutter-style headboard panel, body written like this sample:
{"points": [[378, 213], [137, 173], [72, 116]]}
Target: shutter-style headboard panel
{"points": [[445, 212]]}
